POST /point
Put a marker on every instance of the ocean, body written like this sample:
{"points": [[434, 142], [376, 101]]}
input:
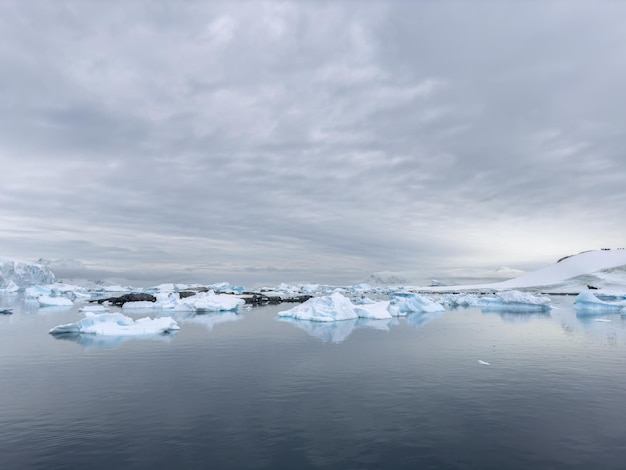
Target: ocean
{"points": [[464, 389]]}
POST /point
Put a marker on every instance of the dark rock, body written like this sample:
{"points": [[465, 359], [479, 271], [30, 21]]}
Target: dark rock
{"points": [[122, 299]]}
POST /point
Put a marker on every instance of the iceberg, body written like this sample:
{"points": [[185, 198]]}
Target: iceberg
{"points": [[374, 311], [9, 287], [588, 303], [336, 307], [402, 303], [516, 301], [461, 300], [14, 272], [117, 324], [207, 302], [329, 308]]}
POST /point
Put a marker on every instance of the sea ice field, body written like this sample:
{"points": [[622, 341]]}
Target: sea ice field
{"points": [[355, 377]]}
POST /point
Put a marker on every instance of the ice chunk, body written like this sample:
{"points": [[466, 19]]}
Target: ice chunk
{"points": [[139, 305], [483, 363], [374, 311], [117, 324], [516, 301], [329, 308], [95, 308], [23, 274], [461, 300], [402, 303], [209, 302], [9, 287], [47, 301], [588, 303]]}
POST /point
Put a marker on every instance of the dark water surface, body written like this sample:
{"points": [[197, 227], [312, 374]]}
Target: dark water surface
{"points": [[249, 391]]}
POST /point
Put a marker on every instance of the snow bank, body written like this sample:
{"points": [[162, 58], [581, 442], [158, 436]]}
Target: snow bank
{"points": [[516, 301], [14, 272], [586, 302], [116, 324]]}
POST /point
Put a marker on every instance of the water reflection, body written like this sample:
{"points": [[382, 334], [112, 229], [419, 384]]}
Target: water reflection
{"points": [[90, 341], [337, 331], [420, 319], [54, 309], [516, 316], [209, 319]]}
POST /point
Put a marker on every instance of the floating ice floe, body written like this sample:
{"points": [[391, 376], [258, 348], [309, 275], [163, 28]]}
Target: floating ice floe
{"points": [[117, 324], [516, 301], [588, 303], [200, 302], [47, 301], [94, 308], [9, 287], [43, 293], [337, 307], [461, 300], [209, 302], [401, 304], [329, 308]]}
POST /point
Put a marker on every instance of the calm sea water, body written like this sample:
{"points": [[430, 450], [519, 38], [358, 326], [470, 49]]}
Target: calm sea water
{"points": [[249, 391]]}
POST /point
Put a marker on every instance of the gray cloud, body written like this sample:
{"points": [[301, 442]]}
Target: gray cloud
{"points": [[254, 141]]}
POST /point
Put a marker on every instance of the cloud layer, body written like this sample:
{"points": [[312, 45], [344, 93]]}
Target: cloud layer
{"points": [[253, 141]]}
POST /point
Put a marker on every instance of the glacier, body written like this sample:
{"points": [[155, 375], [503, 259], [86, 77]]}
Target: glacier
{"points": [[117, 324], [17, 274]]}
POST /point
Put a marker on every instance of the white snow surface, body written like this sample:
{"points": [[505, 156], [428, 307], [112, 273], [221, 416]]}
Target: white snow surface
{"points": [[15, 272], [560, 273], [117, 324]]}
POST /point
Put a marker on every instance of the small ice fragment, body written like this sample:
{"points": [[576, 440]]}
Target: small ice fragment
{"points": [[602, 319], [483, 363]]}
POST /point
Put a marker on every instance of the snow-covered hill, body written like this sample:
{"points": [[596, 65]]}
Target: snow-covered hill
{"points": [[600, 268]]}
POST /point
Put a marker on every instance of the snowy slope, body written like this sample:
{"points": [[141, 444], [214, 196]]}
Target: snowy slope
{"points": [[570, 274]]}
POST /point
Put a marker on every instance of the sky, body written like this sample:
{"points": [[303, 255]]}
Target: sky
{"points": [[310, 141]]}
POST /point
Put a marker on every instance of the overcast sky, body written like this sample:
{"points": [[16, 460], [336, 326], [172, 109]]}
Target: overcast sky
{"points": [[311, 141]]}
